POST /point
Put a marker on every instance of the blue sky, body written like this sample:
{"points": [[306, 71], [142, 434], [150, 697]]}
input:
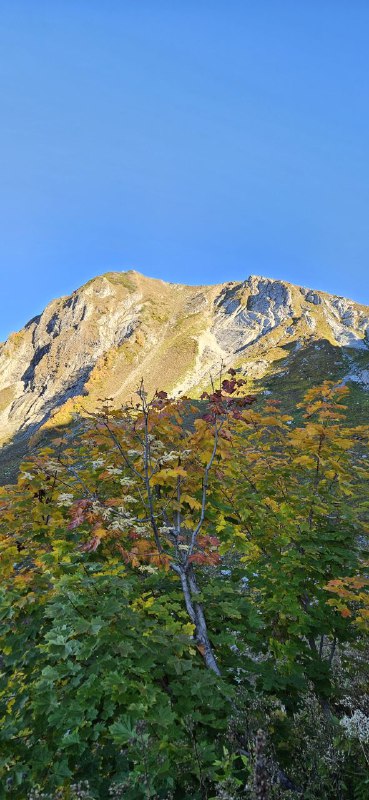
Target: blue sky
{"points": [[193, 140]]}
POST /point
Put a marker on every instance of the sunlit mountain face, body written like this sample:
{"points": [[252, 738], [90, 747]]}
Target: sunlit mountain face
{"points": [[104, 337]]}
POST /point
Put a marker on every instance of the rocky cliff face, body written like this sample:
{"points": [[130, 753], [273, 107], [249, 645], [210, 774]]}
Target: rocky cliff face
{"points": [[100, 340]]}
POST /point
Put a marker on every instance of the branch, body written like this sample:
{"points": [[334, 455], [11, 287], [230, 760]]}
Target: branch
{"points": [[150, 498], [204, 495]]}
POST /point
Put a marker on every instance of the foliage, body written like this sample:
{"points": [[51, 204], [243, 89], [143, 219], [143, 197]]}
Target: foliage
{"points": [[182, 587], [287, 506], [113, 692]]}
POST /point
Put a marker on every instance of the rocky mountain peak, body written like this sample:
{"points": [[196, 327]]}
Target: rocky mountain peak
{"points": [[121, 325]]}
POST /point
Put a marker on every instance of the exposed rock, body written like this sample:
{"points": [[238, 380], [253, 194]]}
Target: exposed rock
{"points": [[103, 337], [236, 324], [359, 376], [311, 297]]}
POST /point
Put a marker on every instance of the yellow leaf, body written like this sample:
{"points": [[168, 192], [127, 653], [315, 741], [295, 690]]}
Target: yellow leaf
{"points": [[304, 461], [188, 628], [272, 504], [100, 532], [345, 443], [194, 504]]}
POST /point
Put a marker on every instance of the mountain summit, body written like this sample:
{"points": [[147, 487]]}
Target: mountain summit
{"points": [[101, 339]]}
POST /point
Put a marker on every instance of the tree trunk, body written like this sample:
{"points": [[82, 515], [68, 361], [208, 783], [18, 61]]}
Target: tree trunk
{"points": [[260, 769], [196, 613], [201, 631]]}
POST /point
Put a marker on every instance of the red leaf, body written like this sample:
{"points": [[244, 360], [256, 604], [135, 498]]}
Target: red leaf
{"points": [[91, 545], [229, 386], [79, 512], [208, 559], [247, 400]]}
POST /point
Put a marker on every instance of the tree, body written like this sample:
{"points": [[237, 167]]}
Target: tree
{"points": [[137, 480], [158, 546], [293, 507]]}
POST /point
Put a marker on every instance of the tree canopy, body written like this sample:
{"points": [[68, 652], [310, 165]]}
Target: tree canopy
{"points": [[184, 605]]}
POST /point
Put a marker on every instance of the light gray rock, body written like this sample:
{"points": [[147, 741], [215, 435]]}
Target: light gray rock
{"points": [[52, 357], [269, 304]]}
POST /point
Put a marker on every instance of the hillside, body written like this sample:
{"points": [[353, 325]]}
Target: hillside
{"points": [[101, 339], [184, 584]]}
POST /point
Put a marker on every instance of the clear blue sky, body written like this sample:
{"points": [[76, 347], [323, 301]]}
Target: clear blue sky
{"points": [[193, 140]]}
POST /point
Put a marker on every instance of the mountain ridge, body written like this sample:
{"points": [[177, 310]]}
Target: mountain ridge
{"points": [[99, 340]]}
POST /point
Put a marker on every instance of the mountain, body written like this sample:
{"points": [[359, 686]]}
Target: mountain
{"points": [[100, 340]]}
